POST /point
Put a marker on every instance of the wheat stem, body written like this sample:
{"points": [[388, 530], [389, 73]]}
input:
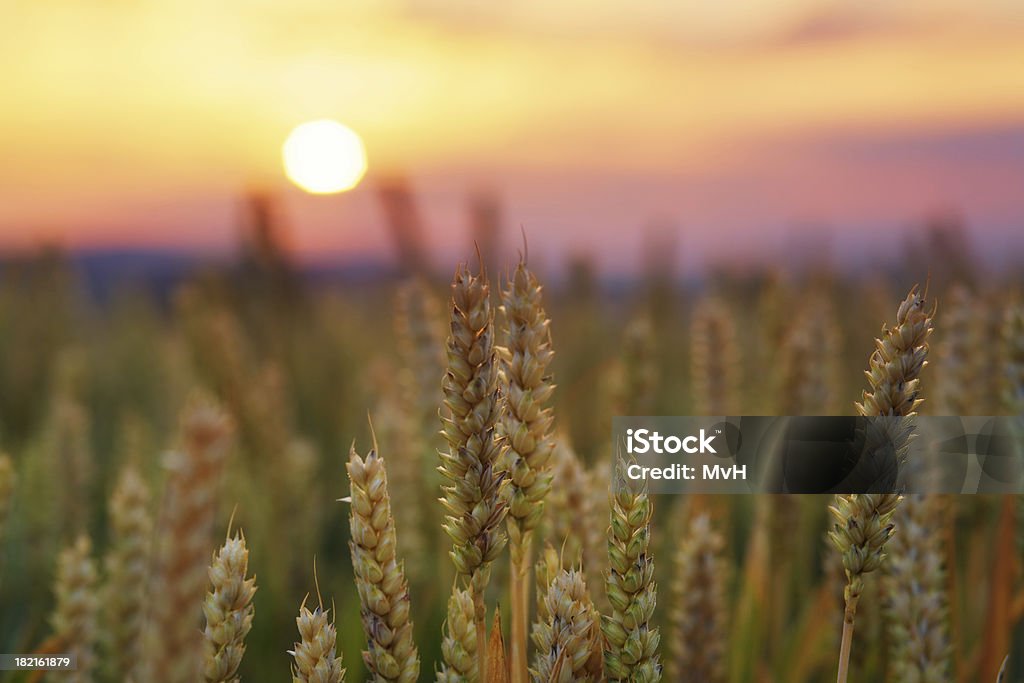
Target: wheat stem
{"points": [[845, 645]]}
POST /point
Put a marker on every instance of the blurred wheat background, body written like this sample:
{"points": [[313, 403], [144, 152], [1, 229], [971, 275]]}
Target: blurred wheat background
{"points": [[277, 374]]}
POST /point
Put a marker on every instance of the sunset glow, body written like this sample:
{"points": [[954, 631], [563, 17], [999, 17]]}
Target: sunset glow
{"points": [[580, 120]]}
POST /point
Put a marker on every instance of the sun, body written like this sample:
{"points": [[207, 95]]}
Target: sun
{"points": [[324, 157]]}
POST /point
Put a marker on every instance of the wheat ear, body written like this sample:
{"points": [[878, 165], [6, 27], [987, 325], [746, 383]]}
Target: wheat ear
{"points": [[418, 327], [74, 618], [473, 497], [127, 567], [598, 492], [68, 436], [408, 412], [636, 381], [809, 369], [400, 428], [714, 358], [526, 425], [698, 614], [380, 577], [915, 586], [901, 353], [460, 641], [631, 641], [228, 610], [1011, 392], [314, 656], [568, 634], [189, 508], [957, 376], [571, 517], [548, 566]]}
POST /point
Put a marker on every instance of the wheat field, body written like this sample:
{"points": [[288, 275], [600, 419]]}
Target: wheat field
{"points": [[250, 477]]}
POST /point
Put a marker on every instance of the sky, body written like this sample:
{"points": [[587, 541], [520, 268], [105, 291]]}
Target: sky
{"points": [[742, 126]]}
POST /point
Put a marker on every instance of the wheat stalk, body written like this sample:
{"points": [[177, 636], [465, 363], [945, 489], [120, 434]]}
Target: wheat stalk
{"points": [[809, 378], [915, 586], [714, 358], [863, 523], [74, 617], [458, 648], [228, 610], [631, 641], [698, 614], [127, 568], [473, 498], [568, 633], [8, 480], [526, 426], [380, 577], [314, 656], [189, 509]]}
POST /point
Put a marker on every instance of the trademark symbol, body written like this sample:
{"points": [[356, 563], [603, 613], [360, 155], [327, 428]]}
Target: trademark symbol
{"points": [[718, 431]]}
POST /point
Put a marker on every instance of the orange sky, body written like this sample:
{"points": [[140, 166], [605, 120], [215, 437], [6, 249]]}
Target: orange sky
{"points": [[141, 123]]}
